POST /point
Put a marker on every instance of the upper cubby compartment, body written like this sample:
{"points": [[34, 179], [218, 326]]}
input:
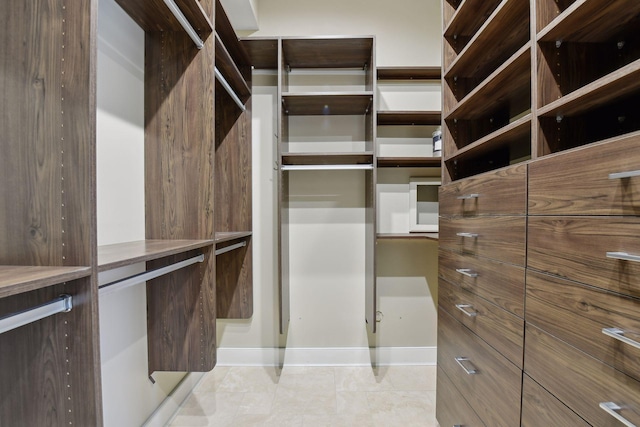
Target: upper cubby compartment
{"points": [[163, 15], [503, 33], [465, 21], [327, 64]]}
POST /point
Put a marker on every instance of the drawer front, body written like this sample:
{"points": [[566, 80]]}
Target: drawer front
{"points": [[502, 284], [501, 329], [580, 381], [578, 314], [540, 408], [576, 248], [451, 408], [585, 187], [501, 192], [498, 238], [494, 389]]}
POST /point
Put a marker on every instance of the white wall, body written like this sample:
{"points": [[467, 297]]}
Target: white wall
{"points": [[327, 209]]}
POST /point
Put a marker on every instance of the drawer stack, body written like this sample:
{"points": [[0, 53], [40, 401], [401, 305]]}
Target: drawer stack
{"points": [[582, 298], [481, 298]]}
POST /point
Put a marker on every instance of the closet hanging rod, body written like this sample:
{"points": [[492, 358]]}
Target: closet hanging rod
{"points": [[117, 285], [62, 304], [325, 167], [229, 89], [173, 7], [230, 248]]}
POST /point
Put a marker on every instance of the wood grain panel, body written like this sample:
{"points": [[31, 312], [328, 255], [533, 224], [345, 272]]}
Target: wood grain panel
{"points": [[327, 52], [263, 52], [453, 409], [330, 103], [577, 314], [498, 238], [154, 15], [121, 254], [587, 190], [575, 248], [15, 279], [563, 370], [425, 118], [540, 408], [494, 390], [409, 73], [501, 192], [501, 284], [179, 198], [499, 328]]}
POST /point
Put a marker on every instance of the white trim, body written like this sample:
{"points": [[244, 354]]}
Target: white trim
{"points": [[340, 356], [169, 406]]}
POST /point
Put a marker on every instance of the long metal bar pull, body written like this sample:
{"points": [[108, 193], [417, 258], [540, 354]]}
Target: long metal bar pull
{"points": [[472, 235], [225, 84], [62, 304], [464, 308], [464, 360], [467, 272], [612, 409], [621, 175], [468, 196], [147, 275], [173, 7], [230, 248], [618, 334], [623, 256]]}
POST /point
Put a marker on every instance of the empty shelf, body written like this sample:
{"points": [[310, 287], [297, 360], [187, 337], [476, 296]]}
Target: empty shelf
{"points": [[16, 279], [409, 73], [408, 236], [328, 52], [409, 162], [327, 103], [425, 118]]}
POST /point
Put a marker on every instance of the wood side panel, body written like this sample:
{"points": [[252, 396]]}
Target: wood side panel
{"points": [[283, 198], [452, 408], [577, 314], [541, 408], [575, 248], [563, 370], [179, 197]]}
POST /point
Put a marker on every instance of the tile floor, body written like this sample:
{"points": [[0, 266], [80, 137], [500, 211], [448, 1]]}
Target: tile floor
{"points": [[312, 396]]}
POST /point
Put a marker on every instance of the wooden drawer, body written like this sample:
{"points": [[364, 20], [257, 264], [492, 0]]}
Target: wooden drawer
{"points": [[576, 248], [580, 381], [501, 192], [493, 391], [499, 238], [501, 284], [501, 329], [451, 408], [540, 408], [578, 314], [577, 182]]}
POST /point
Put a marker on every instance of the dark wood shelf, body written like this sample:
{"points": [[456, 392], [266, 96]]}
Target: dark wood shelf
{"points": [[228, 236], [503, 33], [361, 158], [418, 118], [408, 236], [590, 21], [327, 52], [621, 82], [409, 162], [508, 81], [409, 73], [230, 71], [327, 103], [16, 279], [123, 254], [263, 52], [468, 18], [154, 15], [228, 36]]}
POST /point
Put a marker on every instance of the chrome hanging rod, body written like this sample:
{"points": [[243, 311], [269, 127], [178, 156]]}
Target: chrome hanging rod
{"points": [[230, 248], [229, 89], [325, 167], [62, 304], [173, 7], [147, 275]]}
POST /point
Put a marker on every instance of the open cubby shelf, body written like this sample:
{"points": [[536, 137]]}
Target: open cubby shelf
{"points": [[327, 52], [409, 73], [230, 71], [401, 118], [263, 52], [408, 162], [362, 158], [466, 20], [327, 103]]}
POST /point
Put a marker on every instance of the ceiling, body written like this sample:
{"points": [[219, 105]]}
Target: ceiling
{"points": [[243, 14]]}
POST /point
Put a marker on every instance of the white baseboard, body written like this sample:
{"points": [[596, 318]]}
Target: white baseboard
{"points": [[340, 356], [169, 406]]}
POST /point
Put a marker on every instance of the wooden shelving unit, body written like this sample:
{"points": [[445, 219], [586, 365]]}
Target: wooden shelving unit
{"points": [[409, 73], [412, 118], [409, 162], [363, 158], [17, 279], [324, 104], [408, 236], [123, 254]]}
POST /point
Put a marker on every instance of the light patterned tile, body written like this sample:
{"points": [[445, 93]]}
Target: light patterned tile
{"points": [[352, 402], [292, 400], [402, 408], [344, 420], [308, 379], [412, 378], [360, 379], [208, 409], [212, 380], [257, 403], [250, 379], [271, 420]]}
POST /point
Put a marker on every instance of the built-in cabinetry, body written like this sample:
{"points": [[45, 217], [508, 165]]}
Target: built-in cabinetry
{"points": [[540, 140], [197, 199]]}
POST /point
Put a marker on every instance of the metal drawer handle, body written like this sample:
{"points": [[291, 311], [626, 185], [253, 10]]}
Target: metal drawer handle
{"points": [[612, 409], [623, 256], [621, 175], [469, 196], [467, 272], [618, 334], [463, 308], [472, 235], [465, 360]]}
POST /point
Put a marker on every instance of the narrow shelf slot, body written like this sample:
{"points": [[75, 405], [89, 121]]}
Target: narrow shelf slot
{"points": [[16, 279], [324, 159], [155, 15], [409, 162], [62, 304], [467, 19], [409, 73], [263, 52], [327, 52], [229, 38], [408, 236], [230, 73], [419, 118], [323, 104]]}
